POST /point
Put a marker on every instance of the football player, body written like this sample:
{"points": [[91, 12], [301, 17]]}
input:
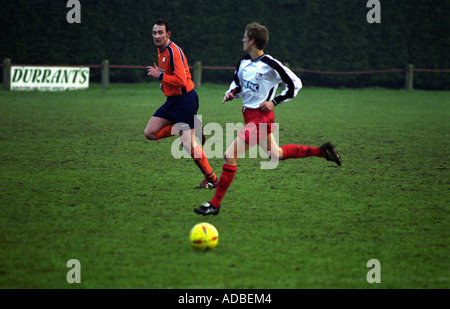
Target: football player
{"points": [[256, 79], [178, 115]]}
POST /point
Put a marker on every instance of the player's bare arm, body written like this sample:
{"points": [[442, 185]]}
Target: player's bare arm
{"points": [[229, 96]]}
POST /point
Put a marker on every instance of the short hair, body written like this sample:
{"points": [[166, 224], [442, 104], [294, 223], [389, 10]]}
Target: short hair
{"points": [[163, 22], [259, 33]]}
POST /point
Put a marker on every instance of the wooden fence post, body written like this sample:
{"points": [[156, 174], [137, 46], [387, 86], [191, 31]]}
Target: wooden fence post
{"points": [[7, 74], [409, 77], [198, 74], [105, 73]]}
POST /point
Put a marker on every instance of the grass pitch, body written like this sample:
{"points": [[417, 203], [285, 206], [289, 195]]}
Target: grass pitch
{"points": [[80, 181]]}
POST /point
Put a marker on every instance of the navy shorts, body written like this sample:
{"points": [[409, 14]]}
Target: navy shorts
{"points": [[180, 109]]}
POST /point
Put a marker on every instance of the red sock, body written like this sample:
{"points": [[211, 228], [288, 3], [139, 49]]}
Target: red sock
{"points": [[202, 162], [300, 151], [225, 180], [164, 132]]}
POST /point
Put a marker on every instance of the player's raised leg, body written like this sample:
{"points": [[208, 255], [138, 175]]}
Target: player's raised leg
{"points": [[158, 128], [331, 154], [291, 151], [270, 146], [301, 151]]}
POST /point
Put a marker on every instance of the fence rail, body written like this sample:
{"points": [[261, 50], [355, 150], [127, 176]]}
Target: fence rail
{"points": [[105, 67]]}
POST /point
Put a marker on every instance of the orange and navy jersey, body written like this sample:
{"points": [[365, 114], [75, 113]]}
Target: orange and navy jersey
{"points": [[175, 74]]}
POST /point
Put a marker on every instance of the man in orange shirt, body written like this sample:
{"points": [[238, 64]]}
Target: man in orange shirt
{"points": [[178, 114]]}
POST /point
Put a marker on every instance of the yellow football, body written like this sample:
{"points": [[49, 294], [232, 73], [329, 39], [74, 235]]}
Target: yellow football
{"points": [[204, 236]]}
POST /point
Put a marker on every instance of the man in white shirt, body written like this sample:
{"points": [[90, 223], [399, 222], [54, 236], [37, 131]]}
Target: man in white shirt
{"points": [[255, 81]]}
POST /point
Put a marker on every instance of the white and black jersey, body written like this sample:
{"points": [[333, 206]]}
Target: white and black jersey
{"points": [[257, 81]]}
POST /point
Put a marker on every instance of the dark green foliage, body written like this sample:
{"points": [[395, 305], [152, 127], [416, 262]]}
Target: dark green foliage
{"points": [[317, 35]]}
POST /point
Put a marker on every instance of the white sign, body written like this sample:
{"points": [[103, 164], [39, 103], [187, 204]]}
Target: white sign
{"points": [[49, 78]]}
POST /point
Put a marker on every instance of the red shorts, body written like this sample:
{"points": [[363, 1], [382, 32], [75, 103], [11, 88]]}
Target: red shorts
{"points": [[258, 124]]}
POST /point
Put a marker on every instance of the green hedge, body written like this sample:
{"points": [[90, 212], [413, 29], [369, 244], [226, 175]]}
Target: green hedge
{"points": [[323, 35]]}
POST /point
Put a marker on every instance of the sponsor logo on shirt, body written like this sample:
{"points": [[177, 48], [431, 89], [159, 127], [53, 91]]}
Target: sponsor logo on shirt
{"points": [[249, 85]]}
